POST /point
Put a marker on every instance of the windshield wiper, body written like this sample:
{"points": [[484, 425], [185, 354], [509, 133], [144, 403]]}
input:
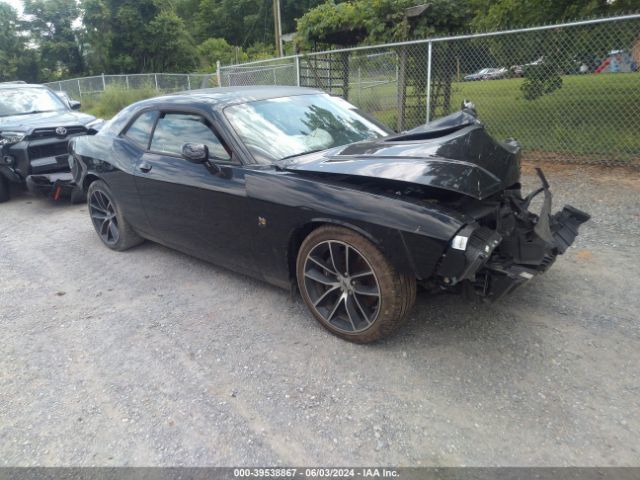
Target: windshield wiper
{"points": [[32, 112], [303, 153]]}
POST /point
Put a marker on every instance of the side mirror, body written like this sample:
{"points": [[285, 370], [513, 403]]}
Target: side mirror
{"points": [[195, 152], [74, 104]]}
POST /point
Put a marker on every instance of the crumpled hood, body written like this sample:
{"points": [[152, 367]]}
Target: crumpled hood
{"points": [[454, 153], [27, 123]]}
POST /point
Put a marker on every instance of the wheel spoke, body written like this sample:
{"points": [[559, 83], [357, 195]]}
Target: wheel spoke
{"points": [[335, 307], [368, 290], [348, 308], [324, 295], [100, 199], [333, 262], [95, 206], [346, 259], [317, 276], [364, 315], [368, 273], [323, 266], [113, 230], [104, 228], [101, 217]]}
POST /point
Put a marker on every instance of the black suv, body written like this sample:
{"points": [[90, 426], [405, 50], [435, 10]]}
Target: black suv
{"points": [[36, 124]]}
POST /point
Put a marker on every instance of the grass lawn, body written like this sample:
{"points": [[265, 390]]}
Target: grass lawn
{"points": [[114, 99], [595, 115]]}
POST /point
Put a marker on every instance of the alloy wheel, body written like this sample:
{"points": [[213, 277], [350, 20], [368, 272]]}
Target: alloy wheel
{"points": [[342, 286], [103, 216]]}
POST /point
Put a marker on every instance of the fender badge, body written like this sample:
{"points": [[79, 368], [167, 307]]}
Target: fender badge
{"points": [[262, 222]]}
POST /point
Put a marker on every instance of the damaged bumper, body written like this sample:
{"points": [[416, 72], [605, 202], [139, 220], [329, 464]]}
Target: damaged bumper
{"points": [[56, 186], [512, 246]]}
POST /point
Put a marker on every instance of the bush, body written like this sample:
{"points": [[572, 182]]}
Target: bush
{"points": [[540, 80], [114, 99]]}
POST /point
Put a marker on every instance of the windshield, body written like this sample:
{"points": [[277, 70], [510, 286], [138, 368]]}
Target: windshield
{"points": [[21, 101], [285, 127]]}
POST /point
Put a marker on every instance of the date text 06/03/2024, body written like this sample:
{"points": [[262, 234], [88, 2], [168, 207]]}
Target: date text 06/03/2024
{"points": [[315, 472]]}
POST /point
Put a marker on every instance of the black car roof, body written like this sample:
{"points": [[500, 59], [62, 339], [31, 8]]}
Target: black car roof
{"points": [[221, 97]]}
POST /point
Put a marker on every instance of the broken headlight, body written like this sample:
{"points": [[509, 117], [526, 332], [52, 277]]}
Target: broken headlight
{"points": [[9, 138]]}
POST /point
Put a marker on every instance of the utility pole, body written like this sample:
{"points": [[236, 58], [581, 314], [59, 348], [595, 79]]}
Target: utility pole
{"points": [[277, 20]]}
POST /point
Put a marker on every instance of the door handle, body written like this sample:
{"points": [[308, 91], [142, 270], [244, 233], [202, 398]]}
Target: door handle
{"points": [[145, 167]]}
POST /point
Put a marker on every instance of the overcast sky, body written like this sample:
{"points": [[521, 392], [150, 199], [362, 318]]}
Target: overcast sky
{"points": [[17, 4]]}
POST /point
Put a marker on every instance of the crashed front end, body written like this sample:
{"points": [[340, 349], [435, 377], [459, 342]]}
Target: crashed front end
{"points": [[508, 244], [455, 164]]}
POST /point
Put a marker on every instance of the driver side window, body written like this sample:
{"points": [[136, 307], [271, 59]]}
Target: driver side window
{"points": [[173, 130]]}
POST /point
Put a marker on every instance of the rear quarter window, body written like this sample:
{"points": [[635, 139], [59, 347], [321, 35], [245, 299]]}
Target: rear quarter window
{"points": [[140, 130]]}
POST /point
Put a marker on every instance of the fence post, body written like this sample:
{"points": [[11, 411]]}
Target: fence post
{"points": [[429, 83], [360, 87], [188, 82], [218, 75], [59, 86], [298, 70], [79, 89], [401, 87], [155, 76], [126, 79], [104, 83]]}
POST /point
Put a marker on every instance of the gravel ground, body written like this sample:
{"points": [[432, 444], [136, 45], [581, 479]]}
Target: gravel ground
{"points": [[150, 357]]}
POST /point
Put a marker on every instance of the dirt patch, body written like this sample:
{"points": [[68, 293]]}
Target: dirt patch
{"points": [[584, 255], [626, 176], [580, 159]]}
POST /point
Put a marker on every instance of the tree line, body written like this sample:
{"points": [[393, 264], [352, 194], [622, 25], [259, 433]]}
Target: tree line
{"points": [[57, 39]]}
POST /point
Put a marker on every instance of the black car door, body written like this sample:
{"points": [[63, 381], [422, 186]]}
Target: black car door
{"points": [[126, 151], [201, 209]]}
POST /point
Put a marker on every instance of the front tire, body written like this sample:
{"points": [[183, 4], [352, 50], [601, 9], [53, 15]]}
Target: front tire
{"points": [[107, 219], [4, 189], [350, 287]]}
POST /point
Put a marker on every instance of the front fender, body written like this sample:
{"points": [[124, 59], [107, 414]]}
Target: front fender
{"points": [[413, 236]]}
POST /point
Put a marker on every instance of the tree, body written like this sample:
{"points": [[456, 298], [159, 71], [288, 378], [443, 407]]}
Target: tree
{"points": [[10, 42], [375, 21], [241, 22], [213, 50], [171, 48], [501, 14], [50, 25], [133, 36]]}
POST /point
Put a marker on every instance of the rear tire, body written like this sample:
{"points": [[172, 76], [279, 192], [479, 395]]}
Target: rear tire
{"points": [[350, 286], [108, 220], [4, 189]]}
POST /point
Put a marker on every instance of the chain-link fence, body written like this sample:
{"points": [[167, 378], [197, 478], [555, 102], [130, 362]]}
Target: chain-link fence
{"points": [[566, 92], [80, 88]]}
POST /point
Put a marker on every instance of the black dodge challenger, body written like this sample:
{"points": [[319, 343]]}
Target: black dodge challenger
{"points": [[299, 188]]}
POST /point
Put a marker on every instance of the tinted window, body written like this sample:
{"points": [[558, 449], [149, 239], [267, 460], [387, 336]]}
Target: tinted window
{"points": [[176, 129], [140, 130]]}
